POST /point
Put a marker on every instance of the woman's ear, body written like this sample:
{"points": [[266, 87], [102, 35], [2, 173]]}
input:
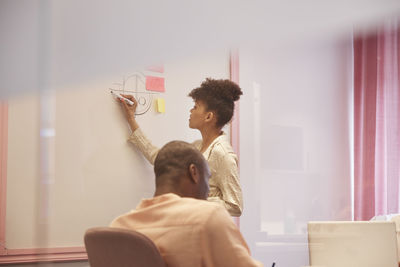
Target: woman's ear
{"points": [[210, 116]]}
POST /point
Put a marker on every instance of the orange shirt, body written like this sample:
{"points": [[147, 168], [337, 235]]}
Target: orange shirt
{"points": [[189, 232]]}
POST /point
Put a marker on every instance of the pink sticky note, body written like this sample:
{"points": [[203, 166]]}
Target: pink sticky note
{"points": [[155, 84], [158, 68]]}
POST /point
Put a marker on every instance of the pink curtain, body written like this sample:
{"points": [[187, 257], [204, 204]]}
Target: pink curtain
{"points": [[377, 122]]}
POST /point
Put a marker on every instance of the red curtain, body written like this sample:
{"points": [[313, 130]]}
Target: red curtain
{"points": [[377, 122]]}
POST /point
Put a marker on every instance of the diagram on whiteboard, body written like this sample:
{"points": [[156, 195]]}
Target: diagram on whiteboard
{"points": [[145, 88]]}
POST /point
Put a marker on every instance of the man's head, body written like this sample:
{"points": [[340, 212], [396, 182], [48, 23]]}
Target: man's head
{"points": [[181, 169]]}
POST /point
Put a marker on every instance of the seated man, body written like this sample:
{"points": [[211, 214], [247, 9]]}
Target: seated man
{"points": [[187, 229]]}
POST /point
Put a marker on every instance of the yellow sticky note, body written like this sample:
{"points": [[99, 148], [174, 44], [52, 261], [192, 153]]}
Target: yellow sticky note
{"points": [[160, 104]]}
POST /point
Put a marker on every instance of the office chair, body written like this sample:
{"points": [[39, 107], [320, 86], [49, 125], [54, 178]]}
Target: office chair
{"points": [[113, 247]]}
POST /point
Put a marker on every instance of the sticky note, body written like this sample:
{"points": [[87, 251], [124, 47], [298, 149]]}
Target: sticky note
{"points": [[160, 105], [155, 84], [158, 68]]}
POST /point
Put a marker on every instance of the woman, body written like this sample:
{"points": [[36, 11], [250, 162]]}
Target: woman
{"points": [[213, 109]]}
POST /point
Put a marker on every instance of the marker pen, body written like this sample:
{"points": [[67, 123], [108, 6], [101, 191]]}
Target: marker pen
{"points": [[122, 98]]}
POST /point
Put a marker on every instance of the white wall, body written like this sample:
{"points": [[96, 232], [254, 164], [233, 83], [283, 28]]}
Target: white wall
{"points": [[294, 144], [94, 174]]}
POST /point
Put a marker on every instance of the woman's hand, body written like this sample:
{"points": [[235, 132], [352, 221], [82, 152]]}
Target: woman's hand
{"points": [[129, 111]]}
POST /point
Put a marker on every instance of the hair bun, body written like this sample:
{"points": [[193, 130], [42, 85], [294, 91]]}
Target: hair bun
{"points": [[234, 91], [225, 89]]}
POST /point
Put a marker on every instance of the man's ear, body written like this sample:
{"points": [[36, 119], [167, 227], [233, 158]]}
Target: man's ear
{"points": [[194, 173]]}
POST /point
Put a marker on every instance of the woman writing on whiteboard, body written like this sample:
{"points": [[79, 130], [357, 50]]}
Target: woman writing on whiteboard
{"points": [[213, 109]]}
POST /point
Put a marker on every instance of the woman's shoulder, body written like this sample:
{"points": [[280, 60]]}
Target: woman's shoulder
{"points": [[222, 144], [222, 148], [197, 144]]}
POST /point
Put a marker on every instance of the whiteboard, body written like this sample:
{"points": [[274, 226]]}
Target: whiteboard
{"points": [[95, 174]]}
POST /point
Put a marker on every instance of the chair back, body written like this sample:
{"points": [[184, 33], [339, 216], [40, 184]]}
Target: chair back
{"points": [[114, 247]]}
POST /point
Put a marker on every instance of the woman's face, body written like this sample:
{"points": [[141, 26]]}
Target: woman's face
{"points": [[197, 115]]}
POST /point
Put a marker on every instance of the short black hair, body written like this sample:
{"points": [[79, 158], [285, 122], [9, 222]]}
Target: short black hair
{"points": [[218, 96], [173, 161]]}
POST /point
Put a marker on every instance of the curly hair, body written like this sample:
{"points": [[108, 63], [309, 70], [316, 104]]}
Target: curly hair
{"points": [[218, 96]]}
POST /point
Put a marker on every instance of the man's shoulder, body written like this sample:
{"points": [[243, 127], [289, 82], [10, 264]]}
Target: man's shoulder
{"points": [[199, 203], [175, 210], [202, 209]]}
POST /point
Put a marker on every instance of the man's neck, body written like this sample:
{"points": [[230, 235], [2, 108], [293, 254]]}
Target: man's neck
{"points": [[164, 190]]}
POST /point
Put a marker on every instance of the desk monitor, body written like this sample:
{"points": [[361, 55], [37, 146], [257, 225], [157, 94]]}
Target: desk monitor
{"points": [[352, 244]]}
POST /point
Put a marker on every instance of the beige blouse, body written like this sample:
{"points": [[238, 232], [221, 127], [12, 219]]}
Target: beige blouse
{"points": [[224, 181]]}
